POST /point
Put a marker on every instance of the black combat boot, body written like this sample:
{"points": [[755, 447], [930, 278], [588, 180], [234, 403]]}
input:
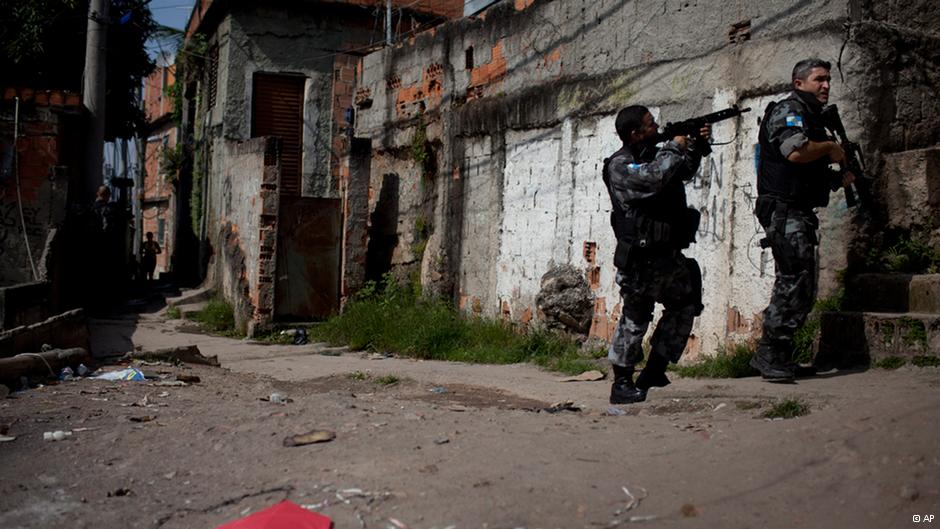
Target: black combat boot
{"points": [[623, 391], [653, 374], [771, 365]]}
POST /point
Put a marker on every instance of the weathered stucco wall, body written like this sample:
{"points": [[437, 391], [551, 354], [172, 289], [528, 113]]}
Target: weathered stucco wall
{"points": [[518, 107], [246, 204]]}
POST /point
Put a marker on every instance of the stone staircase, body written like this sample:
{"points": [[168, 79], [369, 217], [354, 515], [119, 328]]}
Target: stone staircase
{"points": [[884, 315]]}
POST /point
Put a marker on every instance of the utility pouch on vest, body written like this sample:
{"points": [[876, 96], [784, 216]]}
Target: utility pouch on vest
{"points": [[622, 254]]}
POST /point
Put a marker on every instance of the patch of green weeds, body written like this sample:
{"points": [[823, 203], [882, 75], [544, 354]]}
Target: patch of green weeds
{"points": [[926, 361], [357, 375], [911, 254], [887, 332], [806, 335], [173, 312], [218, 317], [890, 362], [388, 380], [390, 316], [914, 332], [787, 409], [728, 362]]}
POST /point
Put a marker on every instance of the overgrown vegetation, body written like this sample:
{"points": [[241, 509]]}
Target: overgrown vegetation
{"points": [[925, 361], [910, 255], [787, 409], [218, 317], [806, 336], [173, 312], [728, 362], [913, 332], [171, 159], [890, 362], [391, 317]]}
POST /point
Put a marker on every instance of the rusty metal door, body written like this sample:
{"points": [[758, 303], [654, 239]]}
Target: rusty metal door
{"points": [[308, 258], [278, 111]]}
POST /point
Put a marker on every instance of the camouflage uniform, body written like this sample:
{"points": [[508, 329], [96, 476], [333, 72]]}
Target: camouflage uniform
{"points": [[787, 195], [650, 195]]}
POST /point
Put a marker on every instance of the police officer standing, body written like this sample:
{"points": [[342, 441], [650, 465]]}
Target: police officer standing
{"points": [[793, 178], [652, 223]]}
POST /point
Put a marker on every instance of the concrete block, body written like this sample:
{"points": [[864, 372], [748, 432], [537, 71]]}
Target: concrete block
{"points": [[912, 187], [878, 293], [857, 338], [925, 293]]}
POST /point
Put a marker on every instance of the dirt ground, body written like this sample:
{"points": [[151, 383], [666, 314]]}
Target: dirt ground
{"points": [[436, 445]]}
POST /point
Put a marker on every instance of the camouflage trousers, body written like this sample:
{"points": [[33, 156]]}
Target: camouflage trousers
{"points": [[793, 243], [672, 280]]}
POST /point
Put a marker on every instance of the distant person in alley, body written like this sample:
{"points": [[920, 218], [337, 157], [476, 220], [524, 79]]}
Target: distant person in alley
{"points": [[653, 224], [148, 256], [793, 178]]}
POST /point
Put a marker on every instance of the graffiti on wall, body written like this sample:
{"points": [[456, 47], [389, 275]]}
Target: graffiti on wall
{"points": [[710, 181]]}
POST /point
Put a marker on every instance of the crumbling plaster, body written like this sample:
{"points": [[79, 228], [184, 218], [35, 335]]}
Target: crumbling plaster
{"points": [[524, 146]]}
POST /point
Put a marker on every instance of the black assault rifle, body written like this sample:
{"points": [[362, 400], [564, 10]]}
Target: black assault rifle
{"points": [[693, 126], [854, 162]]}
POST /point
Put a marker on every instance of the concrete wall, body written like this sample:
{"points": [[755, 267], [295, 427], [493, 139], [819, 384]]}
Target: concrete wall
{"points": [[246, 206], [518, 106]]}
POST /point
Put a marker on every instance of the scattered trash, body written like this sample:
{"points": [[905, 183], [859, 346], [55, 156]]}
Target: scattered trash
{"points": [[441, 441], [634, 501], [397, 523], [129, 374], [440, 390], [689, 511], [277, 398], [562, 406], [7, 438], [170, 475], [164, 394], [300, 337], [284, 515], [615, 411], [123, 491], [647, 518], [66, 373], [90, 429], [458, 407], [142, 418], [720, 406], [171, 383], [82, 370], [909, 492], [57, 435], [587, 376], [189, 379], [316, 436], [189, 354]]}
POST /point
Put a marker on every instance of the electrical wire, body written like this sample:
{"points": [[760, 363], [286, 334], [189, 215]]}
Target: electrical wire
{"points": [[19, 194]]}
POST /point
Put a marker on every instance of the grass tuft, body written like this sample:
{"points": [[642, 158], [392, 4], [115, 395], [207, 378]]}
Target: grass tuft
{"points": [[787, 409], [387, 380], [173, 312], [217, 317], [926, 361], [391, 317], [726, 363], [890, 362]]}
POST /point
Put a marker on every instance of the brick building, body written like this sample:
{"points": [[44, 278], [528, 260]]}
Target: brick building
{"points": [[157, 196], [270, 114]]}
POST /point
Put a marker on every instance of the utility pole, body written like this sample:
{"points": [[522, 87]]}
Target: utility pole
{"points": [[93, 93], [388, 22]]}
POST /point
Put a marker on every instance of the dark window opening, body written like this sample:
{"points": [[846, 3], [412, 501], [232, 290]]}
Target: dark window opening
{"points": [[469, 56]]}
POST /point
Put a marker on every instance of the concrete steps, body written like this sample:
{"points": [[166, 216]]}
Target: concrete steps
{"points": [[887, 315]]}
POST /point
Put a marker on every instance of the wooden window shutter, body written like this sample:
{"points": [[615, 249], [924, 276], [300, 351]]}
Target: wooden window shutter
{"points": [[278, 103]]}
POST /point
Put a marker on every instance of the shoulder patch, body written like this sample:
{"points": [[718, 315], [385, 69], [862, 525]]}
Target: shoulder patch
{"points": [[633, 166], [795, 121]]}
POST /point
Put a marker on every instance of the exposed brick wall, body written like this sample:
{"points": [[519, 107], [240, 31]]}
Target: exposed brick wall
{"points": [[157, 104], [45, 161]]}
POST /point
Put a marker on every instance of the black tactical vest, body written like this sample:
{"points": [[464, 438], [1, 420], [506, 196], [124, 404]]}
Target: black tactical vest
{"points": [[801, 185], [663, 220]]}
